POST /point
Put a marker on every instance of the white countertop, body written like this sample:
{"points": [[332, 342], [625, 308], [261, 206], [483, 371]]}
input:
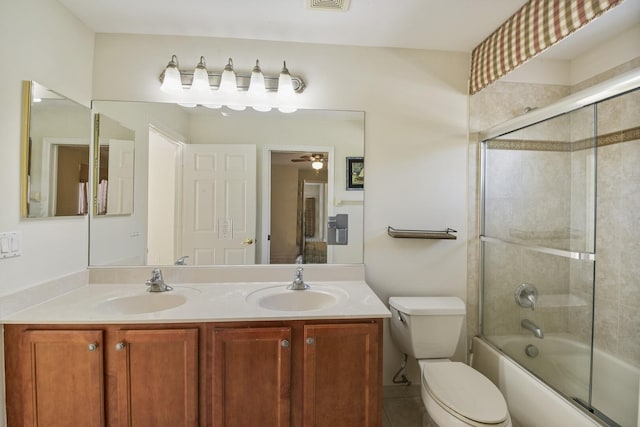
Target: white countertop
{"points": [[199, 302]]}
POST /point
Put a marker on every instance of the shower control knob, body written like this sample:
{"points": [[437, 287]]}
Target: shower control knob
{"points": [[526, 296]]}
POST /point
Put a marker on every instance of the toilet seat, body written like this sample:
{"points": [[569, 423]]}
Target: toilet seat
{"points": [[464, 393]]}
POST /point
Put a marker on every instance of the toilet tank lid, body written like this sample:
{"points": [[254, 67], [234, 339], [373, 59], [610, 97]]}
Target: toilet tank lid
{"points": [[428, 305]]}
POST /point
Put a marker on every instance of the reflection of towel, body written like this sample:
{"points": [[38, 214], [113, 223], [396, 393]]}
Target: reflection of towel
{"points": [[102, 197], [82, 198]]}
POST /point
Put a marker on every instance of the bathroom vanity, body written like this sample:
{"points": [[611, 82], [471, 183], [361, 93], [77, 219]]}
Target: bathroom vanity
{"points": [[223, 354]]}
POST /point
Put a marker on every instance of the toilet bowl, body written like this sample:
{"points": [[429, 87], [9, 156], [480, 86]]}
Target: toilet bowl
{"points": [[454, 394]]}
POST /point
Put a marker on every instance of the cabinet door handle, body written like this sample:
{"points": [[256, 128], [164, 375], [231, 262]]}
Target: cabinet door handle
{"points": [[93, 346], [310, 341], [120, 346]]}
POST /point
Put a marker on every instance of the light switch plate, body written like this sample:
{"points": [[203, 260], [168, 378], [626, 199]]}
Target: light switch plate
{"points": [[10, 244]]}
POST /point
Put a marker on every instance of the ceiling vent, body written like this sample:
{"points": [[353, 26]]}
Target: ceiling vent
{"points": [[337, 5]]}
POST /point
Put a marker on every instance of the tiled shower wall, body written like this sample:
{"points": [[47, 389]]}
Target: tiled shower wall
{"points": [[617, 292], [493, 105]]}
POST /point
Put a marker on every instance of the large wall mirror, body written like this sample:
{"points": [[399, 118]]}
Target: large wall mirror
{"points": [[113, 156], [223, 187], [55, 153]]}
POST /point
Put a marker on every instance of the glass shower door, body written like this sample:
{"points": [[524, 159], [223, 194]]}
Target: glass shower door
{"points": [[538, 248]]}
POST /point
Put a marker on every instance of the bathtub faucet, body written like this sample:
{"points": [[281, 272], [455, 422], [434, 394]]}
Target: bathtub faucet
{"points": [[528, 324]]}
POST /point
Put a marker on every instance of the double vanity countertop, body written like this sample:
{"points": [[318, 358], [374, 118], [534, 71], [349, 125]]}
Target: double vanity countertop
{"points": [[198, 301]]}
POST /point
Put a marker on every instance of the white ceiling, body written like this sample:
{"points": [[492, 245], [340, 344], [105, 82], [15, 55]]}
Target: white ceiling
{"points": [[452, 25]]}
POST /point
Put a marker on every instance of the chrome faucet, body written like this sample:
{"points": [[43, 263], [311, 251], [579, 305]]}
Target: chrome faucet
{"points": [[156, 282], [528, 324], [298, 282], [181, 260]]}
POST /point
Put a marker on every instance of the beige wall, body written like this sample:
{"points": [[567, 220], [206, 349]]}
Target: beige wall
{"points": [[42, 42]]}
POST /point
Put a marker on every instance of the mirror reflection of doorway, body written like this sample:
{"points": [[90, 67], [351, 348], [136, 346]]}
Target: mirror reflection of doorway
{"points": [[298, 207], [72, 176]]}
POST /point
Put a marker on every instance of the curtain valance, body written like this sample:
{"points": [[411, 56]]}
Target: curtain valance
{"points": [[538, 25]]}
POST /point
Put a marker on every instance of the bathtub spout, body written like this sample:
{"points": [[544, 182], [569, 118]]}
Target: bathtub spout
{"points": [[528, 324]]}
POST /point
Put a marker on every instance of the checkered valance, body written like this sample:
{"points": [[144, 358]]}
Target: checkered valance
{"points": [[538, 25]]}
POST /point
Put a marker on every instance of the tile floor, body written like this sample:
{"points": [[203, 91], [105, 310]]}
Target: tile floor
{"points": [[402, 406]]}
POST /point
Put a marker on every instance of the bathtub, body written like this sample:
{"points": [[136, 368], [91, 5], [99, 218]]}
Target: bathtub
{"points": [[565, 363]]}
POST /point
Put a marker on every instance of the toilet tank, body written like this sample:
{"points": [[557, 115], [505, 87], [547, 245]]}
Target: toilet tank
{"points": [[426, 327]]}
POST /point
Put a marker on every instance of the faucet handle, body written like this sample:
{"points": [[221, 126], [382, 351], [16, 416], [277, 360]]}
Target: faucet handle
{"points": [[526, 296], [181, 260], [156, 274]]}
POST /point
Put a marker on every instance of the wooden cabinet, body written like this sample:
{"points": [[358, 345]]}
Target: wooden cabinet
{"points": [[110, 376], [157, 377], [251, 377], [299, 373], [303, 374], [341, 376], [63, 378]]}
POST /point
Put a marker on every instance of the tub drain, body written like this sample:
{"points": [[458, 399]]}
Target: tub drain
{"points": [[532, 350]]}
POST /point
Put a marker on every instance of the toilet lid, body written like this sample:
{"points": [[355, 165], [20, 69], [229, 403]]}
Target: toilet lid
{"points": [[465, 391]]}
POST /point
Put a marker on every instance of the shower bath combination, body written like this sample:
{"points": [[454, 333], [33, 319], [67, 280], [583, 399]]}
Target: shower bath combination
{"points": [[551, 193]]}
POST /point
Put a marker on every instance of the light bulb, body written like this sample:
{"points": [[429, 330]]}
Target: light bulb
{"points": [[316, 164], [229, 88], [257, 90], [200, 83], [285, 91], [171, 82], [228, 79], [256, 85]]}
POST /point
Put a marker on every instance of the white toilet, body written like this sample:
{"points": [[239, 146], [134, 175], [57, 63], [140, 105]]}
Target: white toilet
{"points": [[454, 394]]}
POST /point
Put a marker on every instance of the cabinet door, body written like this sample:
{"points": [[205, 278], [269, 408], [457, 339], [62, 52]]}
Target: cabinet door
{"points": [[64, 387], [251, 377], [341, 376], [157, 377]]}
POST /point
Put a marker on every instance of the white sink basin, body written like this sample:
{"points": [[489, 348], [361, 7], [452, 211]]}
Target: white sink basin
{"points": [[280, 298], [147, 302]]}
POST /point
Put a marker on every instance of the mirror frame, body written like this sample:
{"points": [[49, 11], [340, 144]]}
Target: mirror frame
{"points": [[95, 158], [25, 148]]}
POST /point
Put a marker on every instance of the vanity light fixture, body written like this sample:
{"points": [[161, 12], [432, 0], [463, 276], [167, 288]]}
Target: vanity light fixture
{"points": [[226, 88], [171, 82]]}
